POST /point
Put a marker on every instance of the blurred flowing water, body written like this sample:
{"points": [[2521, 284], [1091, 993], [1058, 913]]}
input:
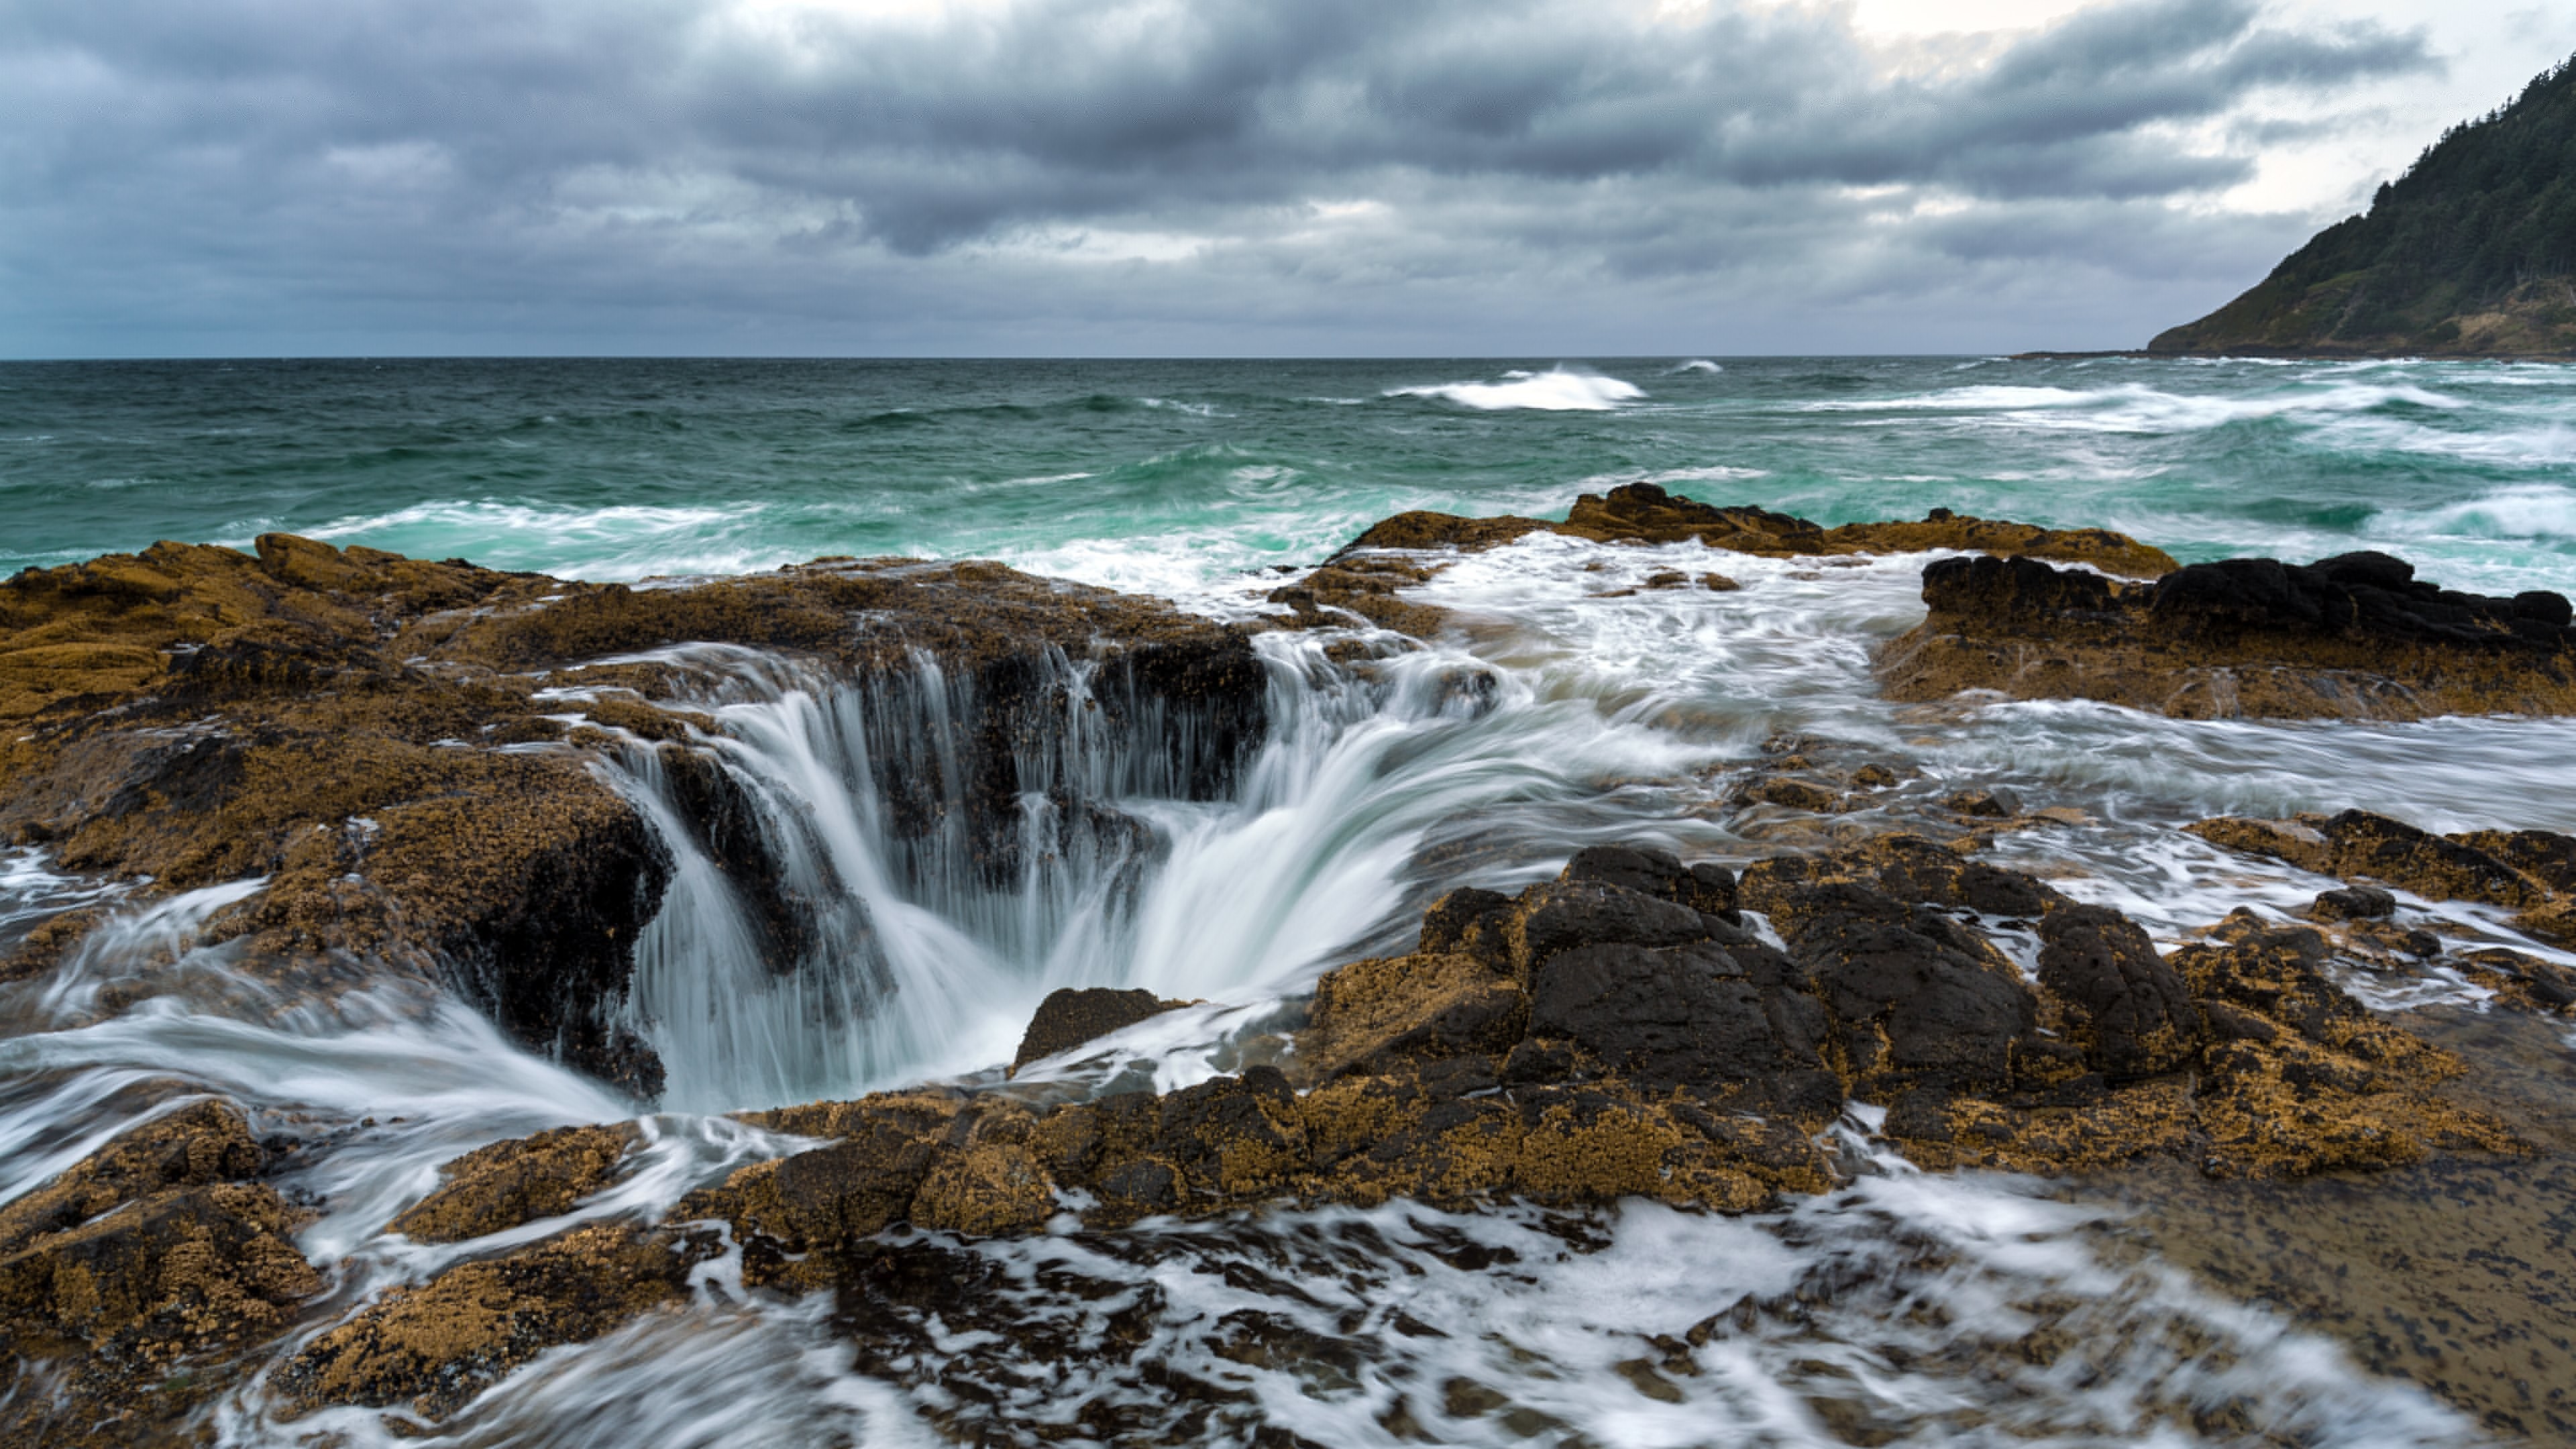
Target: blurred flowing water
{"points": [[1572, 708]]}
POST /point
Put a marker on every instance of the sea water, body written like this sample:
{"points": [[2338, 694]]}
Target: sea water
{"points": [[1899, 1309]]}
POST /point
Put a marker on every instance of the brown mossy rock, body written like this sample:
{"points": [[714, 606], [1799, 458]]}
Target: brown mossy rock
{"points": [[1365, 579], [1644, 513], [855, 1186], [199, 1144], [1939, 1130], [431, 1347], [2520, 870], [1075, 1015], [2278, 973], [2356, 636], [130, 1282], [2545, 856], [367, 732], [1423, 530], [169, 1274], [1375, 1014], [510, 1184], [1588, 1145], [1363, 588]]}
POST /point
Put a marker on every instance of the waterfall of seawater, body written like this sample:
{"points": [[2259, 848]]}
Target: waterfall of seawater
{"points": [[921, 961], [877, 936]]}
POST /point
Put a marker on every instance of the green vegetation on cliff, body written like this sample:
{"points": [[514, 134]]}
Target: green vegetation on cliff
{"points": [[2470, 253]]}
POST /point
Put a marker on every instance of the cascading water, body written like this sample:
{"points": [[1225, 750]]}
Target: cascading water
{"points": [[917, 955], [833, 925]]}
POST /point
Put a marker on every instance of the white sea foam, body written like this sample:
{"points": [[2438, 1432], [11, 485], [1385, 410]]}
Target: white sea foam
{"points": [[1558, 389], [614, 542], [1696, 364], [2138, 408], [1905, 1305], [2538, 511]]}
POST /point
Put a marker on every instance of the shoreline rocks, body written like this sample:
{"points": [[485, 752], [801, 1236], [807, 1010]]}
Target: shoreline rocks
{"points": [[1365, 576], [1620, 1030], [2355, 636], [375, 736]]}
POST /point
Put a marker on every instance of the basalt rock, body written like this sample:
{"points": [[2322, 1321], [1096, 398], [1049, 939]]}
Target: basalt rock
{"points": [[2354, 636], [2132, 1012], [1365, 579], [2524, 871], [384, 739], [1597, 1036], [1072, 1016], [133, 1279]]}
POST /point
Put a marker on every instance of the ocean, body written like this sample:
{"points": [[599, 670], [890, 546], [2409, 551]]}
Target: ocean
{"points": [[1168, 475], [1901, 1309]]}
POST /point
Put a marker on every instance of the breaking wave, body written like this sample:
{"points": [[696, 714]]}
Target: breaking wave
{"points": [[1557, 390]]}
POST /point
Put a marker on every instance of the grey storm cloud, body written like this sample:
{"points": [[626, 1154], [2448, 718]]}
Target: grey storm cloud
{"points": [[343, 165]]}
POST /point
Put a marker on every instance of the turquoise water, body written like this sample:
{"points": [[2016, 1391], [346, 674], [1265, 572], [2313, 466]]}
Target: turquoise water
{"points": [[1168, 475], [1618, 713]]}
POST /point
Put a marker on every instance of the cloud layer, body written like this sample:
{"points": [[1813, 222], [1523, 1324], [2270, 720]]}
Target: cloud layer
{"points": [[1128, 175]]}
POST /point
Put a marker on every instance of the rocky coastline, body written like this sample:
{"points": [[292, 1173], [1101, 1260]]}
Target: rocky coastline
{"points": [[405, 754]]}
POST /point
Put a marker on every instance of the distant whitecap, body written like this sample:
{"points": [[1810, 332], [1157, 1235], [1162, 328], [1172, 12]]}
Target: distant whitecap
{"points": [[1557, 390]]}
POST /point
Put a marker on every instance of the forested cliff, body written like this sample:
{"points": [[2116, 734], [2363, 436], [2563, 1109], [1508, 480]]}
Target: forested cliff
{"points": [[2471, 253]]}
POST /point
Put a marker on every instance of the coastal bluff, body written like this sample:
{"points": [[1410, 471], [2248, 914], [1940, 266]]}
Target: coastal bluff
{"points": [[2465, 255]]}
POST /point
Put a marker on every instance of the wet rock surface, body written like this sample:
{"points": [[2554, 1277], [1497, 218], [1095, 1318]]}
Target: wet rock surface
{"points": [[1364, 579], [2520, 872], [1639, 1027], [390, 743], [1619, 1031], [135, 1279], [2355, 636], [1073, 1016]]}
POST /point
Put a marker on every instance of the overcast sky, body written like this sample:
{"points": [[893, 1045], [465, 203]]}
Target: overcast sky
{"points": [[1547, 178]]}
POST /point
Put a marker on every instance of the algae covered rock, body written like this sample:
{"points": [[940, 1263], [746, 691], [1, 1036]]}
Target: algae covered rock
{"points": [[2527, 870], [1365, 580], [383, 740], [508, 1184], [2355, 636], [433, 1346], [1072, 1016], [139, 1275]]}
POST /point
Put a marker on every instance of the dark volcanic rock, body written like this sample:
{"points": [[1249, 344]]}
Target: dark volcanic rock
{"points": [[2353, 635], [1072, 1016], [1570, 913], [1680, 1015], [2354, 903], [1913, 1010], [371, 734], [2135, 1010]]}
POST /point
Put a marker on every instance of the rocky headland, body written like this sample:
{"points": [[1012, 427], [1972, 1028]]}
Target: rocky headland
{"points": [[2462, 256], [405, 753]]}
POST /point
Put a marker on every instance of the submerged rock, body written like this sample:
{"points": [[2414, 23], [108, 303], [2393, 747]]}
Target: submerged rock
{"points": [[2524, 871], [2354, 636]]}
